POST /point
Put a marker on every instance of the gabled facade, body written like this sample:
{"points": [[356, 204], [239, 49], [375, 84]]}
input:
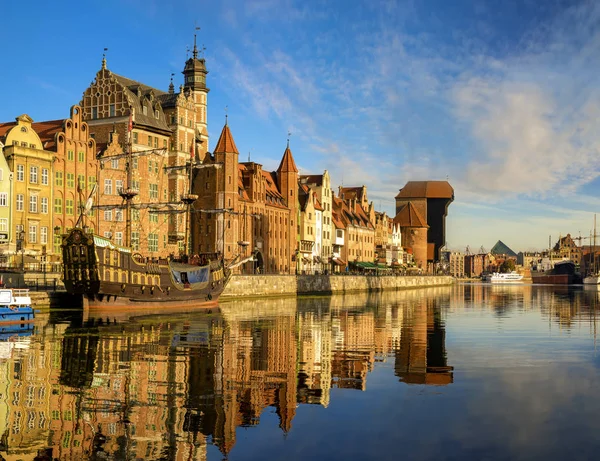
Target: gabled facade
{"points": [[359, 235], [321, 185], [75, 171], [311, 219], [243, 209], [30, 220], [168, 129], [339, 261]]}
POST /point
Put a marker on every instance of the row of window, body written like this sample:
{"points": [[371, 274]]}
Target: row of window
{"points": [[24, 144], [108, 188], [34, 233], [152, 241], [69, 206], [33, 174], [33, 202]]}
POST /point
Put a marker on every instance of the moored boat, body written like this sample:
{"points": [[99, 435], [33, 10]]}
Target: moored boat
{"points": [[508, 277], [592, 279], [104, 273], [108, 274], [15, 307], [562, 273]]}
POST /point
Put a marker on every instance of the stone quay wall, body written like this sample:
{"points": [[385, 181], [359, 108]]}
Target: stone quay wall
{"points": [[257, 286], [272, 286]]}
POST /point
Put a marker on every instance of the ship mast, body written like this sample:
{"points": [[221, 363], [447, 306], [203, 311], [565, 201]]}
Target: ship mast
{"points": [[189, 198], [128, 192], [594, 250]]}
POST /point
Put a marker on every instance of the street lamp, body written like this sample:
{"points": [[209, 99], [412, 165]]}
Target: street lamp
{"points": [[21, 246]]}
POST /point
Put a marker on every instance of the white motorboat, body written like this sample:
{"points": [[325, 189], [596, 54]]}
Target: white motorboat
{"points": [[498, 277]]}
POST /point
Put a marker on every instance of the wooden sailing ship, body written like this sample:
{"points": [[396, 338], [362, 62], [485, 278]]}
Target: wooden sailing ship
{"points": [[104, 273]]}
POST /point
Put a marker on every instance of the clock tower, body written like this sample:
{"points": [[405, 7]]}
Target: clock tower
{"points": [[195, 83]]}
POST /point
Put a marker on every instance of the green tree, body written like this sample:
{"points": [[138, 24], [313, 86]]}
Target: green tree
{"points": [[507, 266]]}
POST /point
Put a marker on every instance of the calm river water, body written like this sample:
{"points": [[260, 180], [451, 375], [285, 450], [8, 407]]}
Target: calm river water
{"points": [[470, 371]]}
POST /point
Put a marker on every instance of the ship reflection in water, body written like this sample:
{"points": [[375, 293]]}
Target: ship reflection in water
{"points": [[353, 377]]}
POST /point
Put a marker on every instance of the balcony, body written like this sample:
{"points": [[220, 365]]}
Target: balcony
{"points": [[306, 246], [175, 237]]}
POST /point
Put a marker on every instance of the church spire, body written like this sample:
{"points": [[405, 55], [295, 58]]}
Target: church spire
{"points": [[195, 52], [287, 164], [225, 144]]}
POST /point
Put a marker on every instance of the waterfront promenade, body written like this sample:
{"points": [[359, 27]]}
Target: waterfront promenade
{"points": [[257, 286], [270, 286]]}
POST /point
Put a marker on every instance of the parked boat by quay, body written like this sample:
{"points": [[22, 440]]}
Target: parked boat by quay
{"points": [[592, 279], [103, 273], [593, 276], [562, 273], [508, 277], [15, 307]]}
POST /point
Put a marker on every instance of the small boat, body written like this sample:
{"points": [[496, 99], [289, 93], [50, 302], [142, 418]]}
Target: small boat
{"points": [[498, 277], [15, 307]]}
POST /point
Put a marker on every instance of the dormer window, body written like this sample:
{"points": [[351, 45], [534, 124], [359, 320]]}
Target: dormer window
{"points": [[24, 129], [144, 110], [156, 114]]}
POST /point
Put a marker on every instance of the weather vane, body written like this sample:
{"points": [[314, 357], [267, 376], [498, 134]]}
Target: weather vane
{"points": [[104, 58]]}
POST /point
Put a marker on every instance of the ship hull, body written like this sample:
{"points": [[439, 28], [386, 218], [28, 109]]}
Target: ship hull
{"points": [[123, 294], [554, 279], [104, 275]]}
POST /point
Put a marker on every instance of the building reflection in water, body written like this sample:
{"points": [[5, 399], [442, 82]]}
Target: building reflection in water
{"points": [[164, 387], [421, 357]]}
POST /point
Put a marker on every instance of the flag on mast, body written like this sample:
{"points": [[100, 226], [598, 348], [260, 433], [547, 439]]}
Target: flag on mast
{"points": [[192, 149]]}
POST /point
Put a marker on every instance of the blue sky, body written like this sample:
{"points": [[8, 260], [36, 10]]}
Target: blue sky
{"points": [[501, 98]]}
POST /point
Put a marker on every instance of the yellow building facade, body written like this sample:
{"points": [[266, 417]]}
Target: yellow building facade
{"points": [[30, 220]]}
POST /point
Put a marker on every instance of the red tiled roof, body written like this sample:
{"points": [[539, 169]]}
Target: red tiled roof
{"points": [[287, 162], [272, 191], [318, 205], [408, 216], [426, 189], [349, 193], [244, 195], [4, 127], [337, 221], [316, 179], [349, 216], [225, 144], [47, 132]]}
